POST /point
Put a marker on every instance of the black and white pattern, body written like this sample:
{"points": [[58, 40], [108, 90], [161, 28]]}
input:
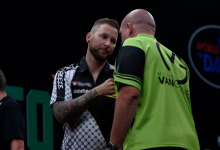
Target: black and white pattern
{"points": [[62, 80], [86, 134], [83, 133]]}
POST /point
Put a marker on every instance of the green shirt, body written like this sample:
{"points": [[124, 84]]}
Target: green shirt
{"points": [[163, 117]]}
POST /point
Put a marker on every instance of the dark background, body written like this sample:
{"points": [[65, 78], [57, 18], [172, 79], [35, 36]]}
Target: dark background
{"points": [[38, 38]]}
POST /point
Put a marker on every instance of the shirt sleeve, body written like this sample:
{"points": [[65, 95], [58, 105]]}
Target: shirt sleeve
{"points": [[130, 66], [14, 124], [58, 92]]}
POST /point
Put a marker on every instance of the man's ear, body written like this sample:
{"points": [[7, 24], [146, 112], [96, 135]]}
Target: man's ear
{"points": [[88, 37], [130, 29]]}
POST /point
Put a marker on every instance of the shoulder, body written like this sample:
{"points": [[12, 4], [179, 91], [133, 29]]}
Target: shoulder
{"points": [[8, 102], [134, 42], [67, 69], [12, 104], [70, 67], [183, 63]]}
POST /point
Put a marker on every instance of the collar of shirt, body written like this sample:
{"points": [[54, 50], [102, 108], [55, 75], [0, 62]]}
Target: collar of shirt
{"points": [[84, 67], [146, 35]]}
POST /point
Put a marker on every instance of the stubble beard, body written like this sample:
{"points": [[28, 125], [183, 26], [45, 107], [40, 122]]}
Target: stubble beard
{"points": [[96, 55]]}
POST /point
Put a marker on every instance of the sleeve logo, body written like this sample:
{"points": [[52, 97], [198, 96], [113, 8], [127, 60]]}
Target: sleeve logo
{"points": [[60, 79]]}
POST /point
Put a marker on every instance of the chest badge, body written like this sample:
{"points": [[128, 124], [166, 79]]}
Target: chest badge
{"points": [[75, 83], [82, 84]]}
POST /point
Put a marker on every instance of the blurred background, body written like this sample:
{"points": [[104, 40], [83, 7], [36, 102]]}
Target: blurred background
{"points": [[38, 38]]}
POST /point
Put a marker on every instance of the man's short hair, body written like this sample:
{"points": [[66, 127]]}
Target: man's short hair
{"points": [[108, 21], [2, 81]]}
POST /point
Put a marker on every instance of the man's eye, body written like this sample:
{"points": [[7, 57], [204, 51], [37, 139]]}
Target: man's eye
{"points": [[103, 36], [114, 42]]}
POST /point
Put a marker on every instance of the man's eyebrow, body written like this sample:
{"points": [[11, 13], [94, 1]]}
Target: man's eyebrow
{"points": [[104, 33]]}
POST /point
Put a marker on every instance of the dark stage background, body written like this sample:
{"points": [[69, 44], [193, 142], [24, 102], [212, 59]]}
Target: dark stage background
{"points": [[38, 38]]}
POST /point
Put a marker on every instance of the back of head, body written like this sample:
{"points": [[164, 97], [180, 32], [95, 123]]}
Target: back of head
{"points": [[141, 20], [108, 21], [2, 81]]}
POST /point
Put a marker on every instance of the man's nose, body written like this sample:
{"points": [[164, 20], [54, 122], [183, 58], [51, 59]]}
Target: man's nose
{"points": [[107, 42]]}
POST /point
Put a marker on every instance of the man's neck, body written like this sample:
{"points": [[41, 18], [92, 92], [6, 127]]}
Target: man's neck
{"points": [[94, 65], [2, 95]]}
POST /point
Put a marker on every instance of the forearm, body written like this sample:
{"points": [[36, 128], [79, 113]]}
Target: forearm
{"points": [[124, 114], [17, 144], [66, 110]]}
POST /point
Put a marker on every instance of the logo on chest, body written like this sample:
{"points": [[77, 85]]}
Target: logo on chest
{"points": [[80, 91], [81, 84]]}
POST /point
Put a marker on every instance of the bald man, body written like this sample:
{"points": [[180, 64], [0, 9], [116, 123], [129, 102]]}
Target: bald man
{"points": [[81, 99], [153, 108]]}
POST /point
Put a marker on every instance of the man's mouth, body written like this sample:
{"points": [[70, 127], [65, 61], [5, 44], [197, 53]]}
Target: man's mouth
{"points": [[105, 51]]}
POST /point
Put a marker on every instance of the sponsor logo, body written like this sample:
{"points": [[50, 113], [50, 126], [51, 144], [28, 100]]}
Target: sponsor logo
{"points": [[169, 79], [60, 79], [204, 54], [76, 91], [166, 80], [78, 83]]}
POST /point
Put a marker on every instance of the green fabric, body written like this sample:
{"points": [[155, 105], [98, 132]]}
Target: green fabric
{"points": [[163, 116]]}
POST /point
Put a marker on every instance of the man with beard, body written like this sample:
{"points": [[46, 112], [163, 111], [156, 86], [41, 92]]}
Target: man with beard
{"points": [[82, 92]]}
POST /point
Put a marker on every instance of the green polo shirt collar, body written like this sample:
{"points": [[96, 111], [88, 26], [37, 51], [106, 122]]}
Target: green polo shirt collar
{"points": [[146, 35]]}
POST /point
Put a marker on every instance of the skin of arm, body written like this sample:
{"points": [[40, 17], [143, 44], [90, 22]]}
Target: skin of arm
{"points": [[70, 109], [125, 108], [63, 110], [17, 144]]}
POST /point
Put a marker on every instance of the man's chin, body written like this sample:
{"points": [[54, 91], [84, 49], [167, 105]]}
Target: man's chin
{"points": [[102, 59]]}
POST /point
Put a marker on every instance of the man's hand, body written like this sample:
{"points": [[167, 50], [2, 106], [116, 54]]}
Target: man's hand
{"points": [[70, 109], [106, 88]]}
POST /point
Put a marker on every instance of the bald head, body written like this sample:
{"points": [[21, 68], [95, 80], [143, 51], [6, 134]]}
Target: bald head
{"points": [[141, 21]]}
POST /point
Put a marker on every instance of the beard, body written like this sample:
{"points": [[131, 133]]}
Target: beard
{"points": [[95, 53]]}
